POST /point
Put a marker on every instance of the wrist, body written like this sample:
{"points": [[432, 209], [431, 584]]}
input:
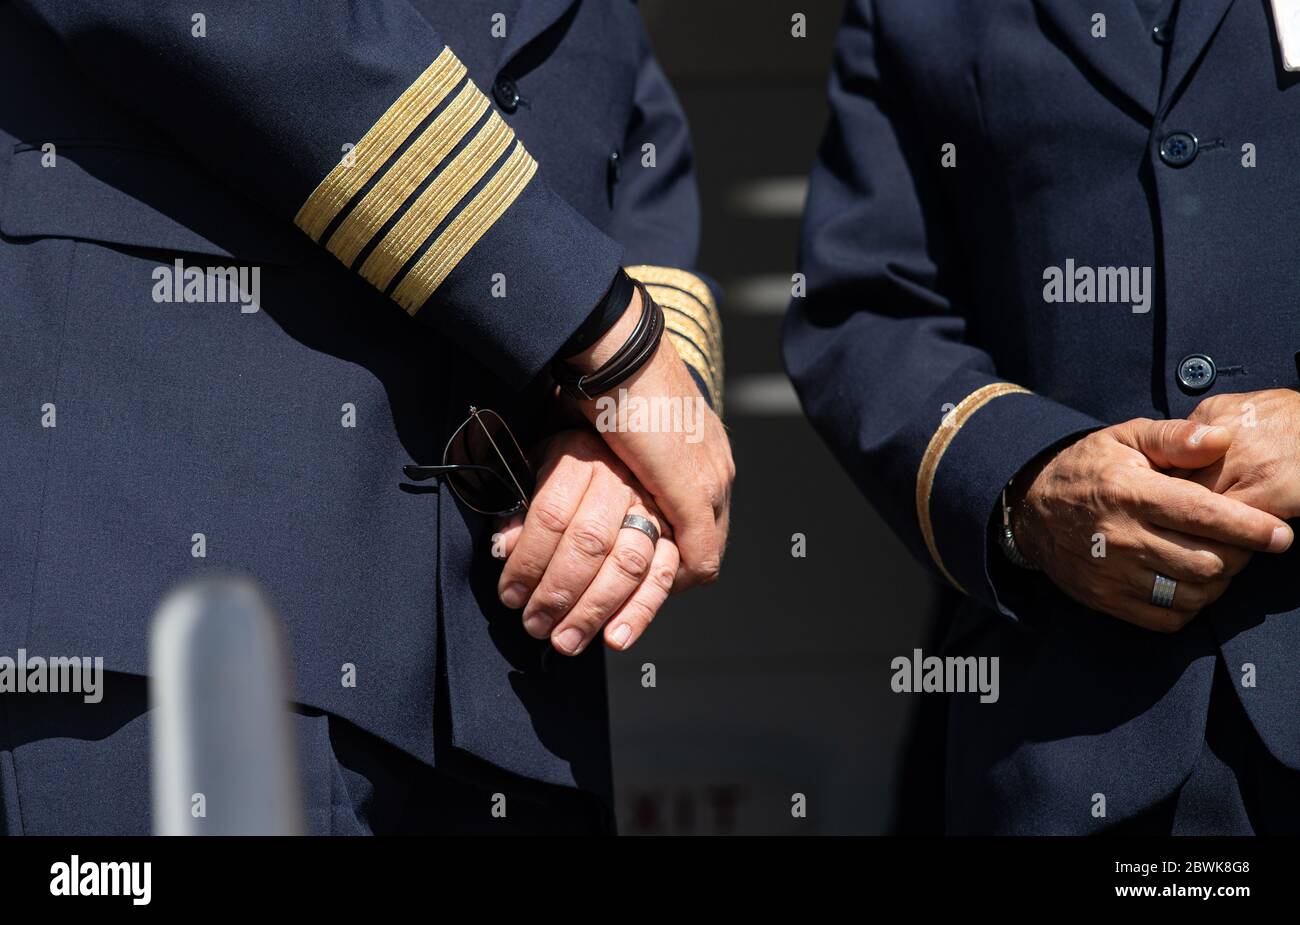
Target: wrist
{"points": [[612, 370], [608, 343], [1009, 529], [1015, 513], [1018, 489]]}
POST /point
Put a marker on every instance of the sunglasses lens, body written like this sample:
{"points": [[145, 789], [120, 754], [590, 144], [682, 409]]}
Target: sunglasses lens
{"points": [[502, 474]]}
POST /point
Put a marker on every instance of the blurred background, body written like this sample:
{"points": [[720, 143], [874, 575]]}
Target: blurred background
{"points": [[776, 680]]}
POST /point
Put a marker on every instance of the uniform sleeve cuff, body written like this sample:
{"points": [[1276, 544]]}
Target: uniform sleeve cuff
{"points": [[692, 323], [988, 437], [440, 207], [517, 298]]}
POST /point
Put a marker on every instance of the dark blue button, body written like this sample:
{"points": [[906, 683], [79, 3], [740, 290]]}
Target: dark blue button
{"points": [[615, 168], [1162, 33], [1197, 372], [506, 93], [1178, 149]]}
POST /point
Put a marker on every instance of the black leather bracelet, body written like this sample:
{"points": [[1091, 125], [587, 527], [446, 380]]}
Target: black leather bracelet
{"points": [[603, 317], [635, 353]]}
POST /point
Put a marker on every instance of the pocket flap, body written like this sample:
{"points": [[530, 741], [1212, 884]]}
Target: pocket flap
{"points": [[137, 198]]}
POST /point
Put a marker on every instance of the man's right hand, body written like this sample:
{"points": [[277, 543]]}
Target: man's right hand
{"points": [[688, 476], [1108, 485]]}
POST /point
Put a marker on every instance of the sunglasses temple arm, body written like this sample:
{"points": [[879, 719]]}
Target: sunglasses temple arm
{"points": [[424, 473]]}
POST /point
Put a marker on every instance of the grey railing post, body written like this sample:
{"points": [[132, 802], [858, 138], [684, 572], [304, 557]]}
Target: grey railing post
{"points": [[224, 758]]}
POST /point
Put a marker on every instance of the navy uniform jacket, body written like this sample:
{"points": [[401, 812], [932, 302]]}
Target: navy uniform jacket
{"points": [[926, 354], [461, 201]]}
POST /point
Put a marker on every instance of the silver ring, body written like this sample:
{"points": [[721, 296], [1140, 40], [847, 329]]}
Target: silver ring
{"points": [[1162, 593], [644, 524]]}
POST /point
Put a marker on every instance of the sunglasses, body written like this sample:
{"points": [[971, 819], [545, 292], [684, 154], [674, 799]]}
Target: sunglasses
{"points": [[483, 465]]}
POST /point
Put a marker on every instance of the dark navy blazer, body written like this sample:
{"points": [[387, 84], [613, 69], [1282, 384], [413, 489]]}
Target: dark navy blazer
{"points": [[927, 356], [462, 202]]}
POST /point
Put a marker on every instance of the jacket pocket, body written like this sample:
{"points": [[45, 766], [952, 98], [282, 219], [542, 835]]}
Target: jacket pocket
{"points": [[135, 197]]}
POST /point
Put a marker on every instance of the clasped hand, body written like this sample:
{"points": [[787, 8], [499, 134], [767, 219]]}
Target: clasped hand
{"points": [[571, 566], [1192, 500]]}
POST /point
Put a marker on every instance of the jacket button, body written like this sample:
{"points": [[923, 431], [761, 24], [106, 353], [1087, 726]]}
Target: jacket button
{"points": [[615, 167], [1162, 33], [506, 93], [1196, 372], [1178, 149]]}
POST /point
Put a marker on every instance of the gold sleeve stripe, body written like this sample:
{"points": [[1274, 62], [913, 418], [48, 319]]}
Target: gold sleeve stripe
{"points": [[689, 330], [397, 183], [678, 279], [687, 293], [464, 231], [378, 144], [435, 203], [684, 324], [682, 305], [692, 357], [952, 422], [690, 313]]}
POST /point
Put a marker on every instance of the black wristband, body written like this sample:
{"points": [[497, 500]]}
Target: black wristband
{"points": [[603, 317], [635, 353]]}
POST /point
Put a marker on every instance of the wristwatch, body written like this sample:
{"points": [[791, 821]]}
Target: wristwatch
{"points": [[1007, 537]]}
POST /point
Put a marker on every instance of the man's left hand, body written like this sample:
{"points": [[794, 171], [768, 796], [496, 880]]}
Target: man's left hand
{"points": [[570, 565], [1262, 466]]}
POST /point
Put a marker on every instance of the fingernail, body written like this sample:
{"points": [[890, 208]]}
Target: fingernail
{"points": [[514, 596], [1281, 539], [1200, 432], [620, 635], [538, 626], [569, 640], [508, 525]]}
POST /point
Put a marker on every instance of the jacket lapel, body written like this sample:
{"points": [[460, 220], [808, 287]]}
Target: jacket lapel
{"points": [[1194, 27], [534, 18], [1123, 59]]}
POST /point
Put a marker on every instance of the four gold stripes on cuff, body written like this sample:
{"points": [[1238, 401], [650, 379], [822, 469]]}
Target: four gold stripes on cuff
{"points": [[689, 283], [378, 144], [690, 314], [688, 307], [692, 318], [685, 316], [952, 422], [673, 276], [464, 231], [686, 333], [436, 201], [397, 184]]}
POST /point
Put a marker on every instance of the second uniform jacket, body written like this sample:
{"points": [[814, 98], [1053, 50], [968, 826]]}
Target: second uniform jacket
{"points": [[972, 148]]}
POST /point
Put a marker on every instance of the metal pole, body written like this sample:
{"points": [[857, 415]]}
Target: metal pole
{"points": [[224, 757]]}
